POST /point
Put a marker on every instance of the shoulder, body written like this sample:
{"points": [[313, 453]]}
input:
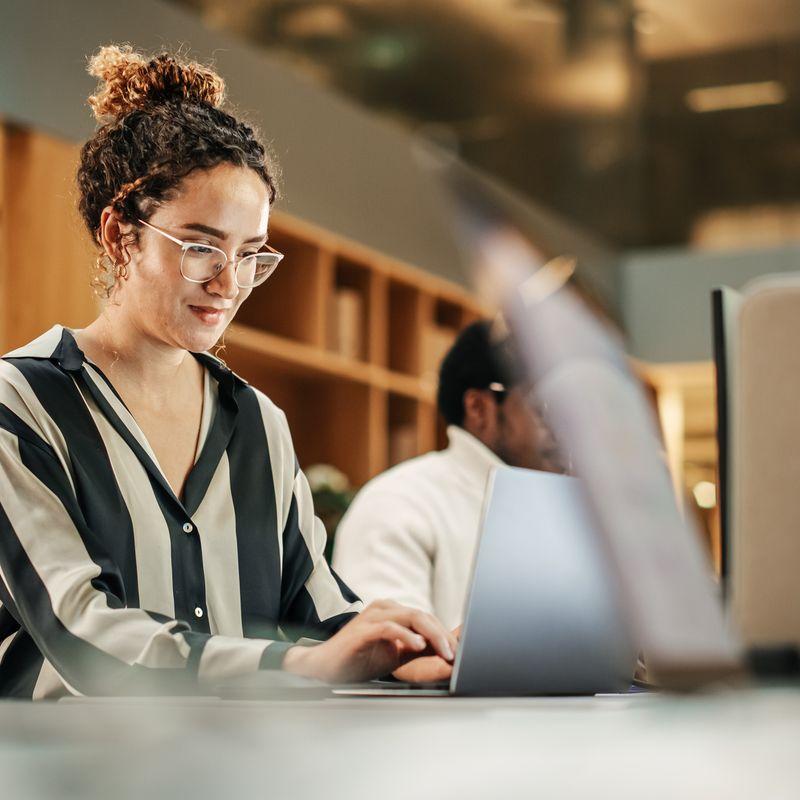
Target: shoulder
{"points": [[33, 384], [261, 421], [34, 368], [45, 346], [248, 396], [410, 479], [272, 416]]}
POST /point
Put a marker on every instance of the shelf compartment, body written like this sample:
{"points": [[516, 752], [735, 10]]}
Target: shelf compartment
{"points": [[403, 428], [248, 349], [349, 310], [440, 322], [405, 314], [291, 303]]}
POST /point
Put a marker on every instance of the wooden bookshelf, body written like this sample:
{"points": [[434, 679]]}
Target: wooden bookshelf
{"points": [[340, 339], [337, 337]]}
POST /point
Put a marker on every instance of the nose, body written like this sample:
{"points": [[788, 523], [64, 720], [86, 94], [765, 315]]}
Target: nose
{"points": [[224, 283]]}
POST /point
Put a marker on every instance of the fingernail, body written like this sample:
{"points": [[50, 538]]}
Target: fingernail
{"points": [[420, 642], [448, 651]]}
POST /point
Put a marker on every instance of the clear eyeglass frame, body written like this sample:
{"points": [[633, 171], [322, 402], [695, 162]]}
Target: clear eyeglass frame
{"points": [[201, 263]]}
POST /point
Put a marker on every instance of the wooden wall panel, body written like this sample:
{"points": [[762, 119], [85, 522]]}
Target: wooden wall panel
{"points": [[3, 233], [47, 255]]}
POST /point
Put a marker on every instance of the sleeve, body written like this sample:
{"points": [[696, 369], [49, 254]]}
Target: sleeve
{"points": [[62, 597], [316, 602], [385, 548]]}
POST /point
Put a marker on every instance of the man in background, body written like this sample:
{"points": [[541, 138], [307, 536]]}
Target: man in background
{"points": [[411, 532]]}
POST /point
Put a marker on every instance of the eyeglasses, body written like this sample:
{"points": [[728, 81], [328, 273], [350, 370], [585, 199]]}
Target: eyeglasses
{"points": [[201, 263], [499, 390]]}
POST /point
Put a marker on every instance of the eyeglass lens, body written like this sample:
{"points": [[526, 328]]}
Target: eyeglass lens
{"points": [[202, 263]]}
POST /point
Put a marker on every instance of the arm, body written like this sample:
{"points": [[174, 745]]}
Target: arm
{"points": [[314, 601], [385, 548], [64, 600], [375, 642]]}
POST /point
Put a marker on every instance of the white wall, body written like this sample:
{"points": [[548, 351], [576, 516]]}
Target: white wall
{"points": [[666, 296]]}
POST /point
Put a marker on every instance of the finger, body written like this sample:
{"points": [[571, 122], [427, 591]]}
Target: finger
{"points": [[442, 641], [394, 632], [424, 670]]}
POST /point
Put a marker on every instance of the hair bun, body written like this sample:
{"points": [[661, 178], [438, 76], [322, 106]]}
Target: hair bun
{"points": [[130, 81]]}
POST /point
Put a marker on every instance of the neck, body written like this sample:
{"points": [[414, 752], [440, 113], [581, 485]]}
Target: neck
{"points": [[481, 436], [128, 354]]}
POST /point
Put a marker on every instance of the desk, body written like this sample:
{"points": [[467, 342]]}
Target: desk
{"points": [[732, 745]]}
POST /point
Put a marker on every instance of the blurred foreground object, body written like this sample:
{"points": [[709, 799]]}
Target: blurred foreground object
{"points": [[599, 415]]}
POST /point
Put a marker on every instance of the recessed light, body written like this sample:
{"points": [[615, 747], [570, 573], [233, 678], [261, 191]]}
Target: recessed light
{"points": [[739, 95]]}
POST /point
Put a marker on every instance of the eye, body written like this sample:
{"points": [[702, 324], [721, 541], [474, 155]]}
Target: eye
{"points": [[201, 250], [248, 254]]}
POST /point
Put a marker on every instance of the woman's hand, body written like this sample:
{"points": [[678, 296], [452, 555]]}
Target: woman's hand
{"points": [[380, 639], [427, 669]]}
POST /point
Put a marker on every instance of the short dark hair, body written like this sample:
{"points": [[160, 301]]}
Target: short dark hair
{"points": [[473, 362]]}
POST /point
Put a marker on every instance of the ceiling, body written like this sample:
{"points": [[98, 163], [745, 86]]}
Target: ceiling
{"points": [[579, 104]]}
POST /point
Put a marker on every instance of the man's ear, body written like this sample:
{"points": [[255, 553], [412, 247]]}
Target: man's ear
{"points": [[476, 410]]}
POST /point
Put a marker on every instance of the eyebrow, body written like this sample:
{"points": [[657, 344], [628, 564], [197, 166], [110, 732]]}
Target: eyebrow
{"points": [[200, 228]]}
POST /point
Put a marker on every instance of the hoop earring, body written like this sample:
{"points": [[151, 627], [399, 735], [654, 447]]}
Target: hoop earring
{"points": [[103, 264], [121, 271]]}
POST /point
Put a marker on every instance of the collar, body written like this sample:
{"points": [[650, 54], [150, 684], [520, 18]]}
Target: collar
{"points": [[59, 346], [471, 455]]}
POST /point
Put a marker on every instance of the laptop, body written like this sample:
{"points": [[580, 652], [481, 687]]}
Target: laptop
{"points": [[542, 616]]}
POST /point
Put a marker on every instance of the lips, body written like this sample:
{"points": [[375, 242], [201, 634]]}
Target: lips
{"points": [[208, 314]]}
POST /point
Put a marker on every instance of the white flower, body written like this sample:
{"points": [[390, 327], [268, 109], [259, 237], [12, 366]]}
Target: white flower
{"points": [[325, 476]]}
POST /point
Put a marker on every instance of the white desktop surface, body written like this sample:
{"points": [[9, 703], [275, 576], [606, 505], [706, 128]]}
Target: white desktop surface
{"points": [[729, 745]]}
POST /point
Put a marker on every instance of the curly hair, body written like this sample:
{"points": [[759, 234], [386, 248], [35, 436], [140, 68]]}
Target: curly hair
{"points": [[159, 119]]}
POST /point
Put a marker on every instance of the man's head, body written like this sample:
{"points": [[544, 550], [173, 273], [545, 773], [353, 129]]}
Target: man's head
{"points": [[479, 391]]}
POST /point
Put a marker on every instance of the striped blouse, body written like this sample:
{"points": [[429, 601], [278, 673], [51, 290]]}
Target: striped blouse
{"points": [[109, 583]]}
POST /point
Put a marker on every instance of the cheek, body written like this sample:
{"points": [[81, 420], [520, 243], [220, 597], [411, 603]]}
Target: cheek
{"points": [[243, 295], [156, 292]]}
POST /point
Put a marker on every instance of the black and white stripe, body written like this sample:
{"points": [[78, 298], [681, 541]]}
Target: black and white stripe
{"points": [[108, 582]]}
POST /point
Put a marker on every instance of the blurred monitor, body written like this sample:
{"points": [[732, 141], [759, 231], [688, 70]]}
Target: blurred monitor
{"points": [[724, 307], [757, 354]]}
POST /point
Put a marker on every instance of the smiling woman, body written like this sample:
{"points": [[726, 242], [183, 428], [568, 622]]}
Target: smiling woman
{"points": [[156, 533]]}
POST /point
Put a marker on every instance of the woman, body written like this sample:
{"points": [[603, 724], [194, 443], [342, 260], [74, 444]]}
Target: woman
{"points": [[156, 533]]}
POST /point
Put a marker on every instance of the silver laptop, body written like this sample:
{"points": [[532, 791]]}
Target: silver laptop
{"points": [[543, 616]]}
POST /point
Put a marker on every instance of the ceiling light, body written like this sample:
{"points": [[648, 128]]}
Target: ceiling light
{"points": [[740, 95]]}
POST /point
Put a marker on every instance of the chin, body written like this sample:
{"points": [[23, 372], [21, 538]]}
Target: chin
{"points": [[197, 341]]}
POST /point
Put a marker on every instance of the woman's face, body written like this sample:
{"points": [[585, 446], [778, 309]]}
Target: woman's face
{"points": [[227, 207]]}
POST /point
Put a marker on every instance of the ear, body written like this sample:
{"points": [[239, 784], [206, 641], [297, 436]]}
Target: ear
{"points": [[478, 410], [110, 235]]}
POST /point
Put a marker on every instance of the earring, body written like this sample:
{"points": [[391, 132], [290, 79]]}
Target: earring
{"points": [[121, 271], [101, 263]]}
